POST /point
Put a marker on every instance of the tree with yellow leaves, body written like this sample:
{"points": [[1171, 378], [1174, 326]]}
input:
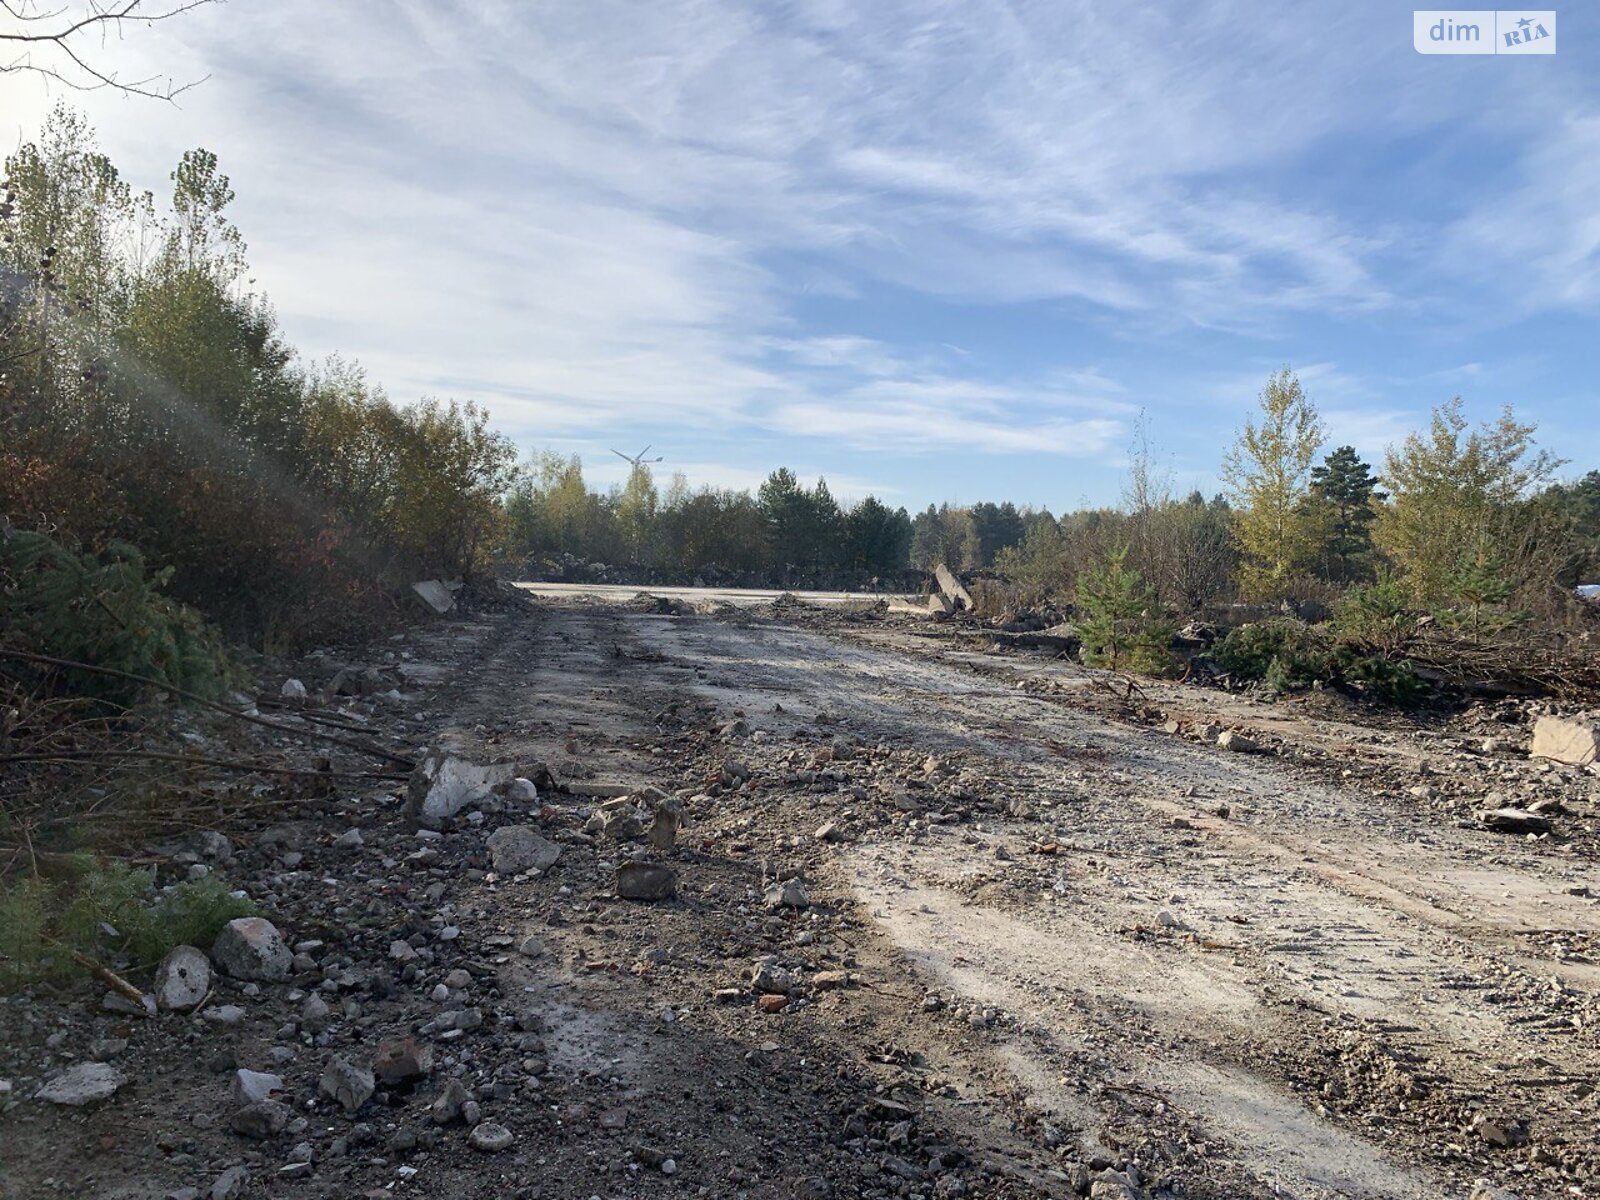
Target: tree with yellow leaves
{"points": [[1268, 475]]}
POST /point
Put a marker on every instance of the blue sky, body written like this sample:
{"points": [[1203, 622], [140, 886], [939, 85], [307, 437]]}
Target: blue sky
{"points": [[940, 251]]}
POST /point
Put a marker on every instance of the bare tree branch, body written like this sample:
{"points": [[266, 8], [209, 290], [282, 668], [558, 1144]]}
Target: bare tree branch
{"points": [[60, 31]]}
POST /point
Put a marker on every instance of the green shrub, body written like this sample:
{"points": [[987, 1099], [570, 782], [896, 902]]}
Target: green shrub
{"points": [[1287, 654], [1118, 620], [106, 911], [1284, 652], [106, 611], [1394, 681], [1379, 616]]}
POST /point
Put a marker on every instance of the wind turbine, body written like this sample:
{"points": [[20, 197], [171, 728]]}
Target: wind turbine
{"points": [[639, 459]]}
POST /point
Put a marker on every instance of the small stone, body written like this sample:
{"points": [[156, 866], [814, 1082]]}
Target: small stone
{"points": [[292, 689], [1504, 1132], [646, 881], [772, 979], [251, 948], [490, 1137], [772, 1004], [230, 1184], [447, 1105], [182, 980], [224, 1014], [86, 1083], [791, 893], [522, 791], [261, 1121], [402, 951], [829, 831], [350, 839], [402, 1060], [530, 947], [251, 1087], [315, 1015], [346, 1084], [1232, 739], [514, 849], [118, 1003]]}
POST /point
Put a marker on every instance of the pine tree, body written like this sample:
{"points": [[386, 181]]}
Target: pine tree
{"points": [[1268, 473], [1117, 619], [1347, 490]]}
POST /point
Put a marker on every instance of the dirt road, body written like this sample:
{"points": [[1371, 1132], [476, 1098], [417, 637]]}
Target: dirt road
{"points": [[1272, 985], [1038, 946]]}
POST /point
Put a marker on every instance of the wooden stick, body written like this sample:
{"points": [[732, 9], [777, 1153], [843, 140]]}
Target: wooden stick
{"points": [[110, 978]]}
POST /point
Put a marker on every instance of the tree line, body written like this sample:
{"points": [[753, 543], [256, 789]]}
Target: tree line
{"points": [[785, 533]]}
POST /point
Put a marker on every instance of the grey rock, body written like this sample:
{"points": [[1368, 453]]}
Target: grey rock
{"points": [[182, 980], [251, 1087], [1112, 1185], [790, 893], [447, 1105], [261, 1121], [522, 791], [213, 845], [230, 1184], [86, 1083], [771, 979], [350, 839], [251, 948], [646, 881], [224, 1014], [490, 1137], [620, 820], [1232, 739], [346, 1084], [518, 848], [315, 1015], [292, 689]]}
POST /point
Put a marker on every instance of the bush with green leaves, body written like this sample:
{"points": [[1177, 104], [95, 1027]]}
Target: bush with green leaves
{"points": [[108, 912], [1288, 654], [1379, 616], [104, 610], [1118, 618], [1284, 652]]}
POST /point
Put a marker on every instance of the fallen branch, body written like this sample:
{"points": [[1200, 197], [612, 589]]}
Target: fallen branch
{"points": [[348, 743], [65, 756], [110, 978]]}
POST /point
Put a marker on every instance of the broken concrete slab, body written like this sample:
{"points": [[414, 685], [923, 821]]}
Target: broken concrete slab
{"points": [[435, 594], [1574, 740], [443, 784], [1513, 820], [952, 588]]}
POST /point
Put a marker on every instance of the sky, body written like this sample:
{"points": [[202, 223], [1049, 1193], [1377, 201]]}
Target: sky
{"points": [[936, 251]]}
